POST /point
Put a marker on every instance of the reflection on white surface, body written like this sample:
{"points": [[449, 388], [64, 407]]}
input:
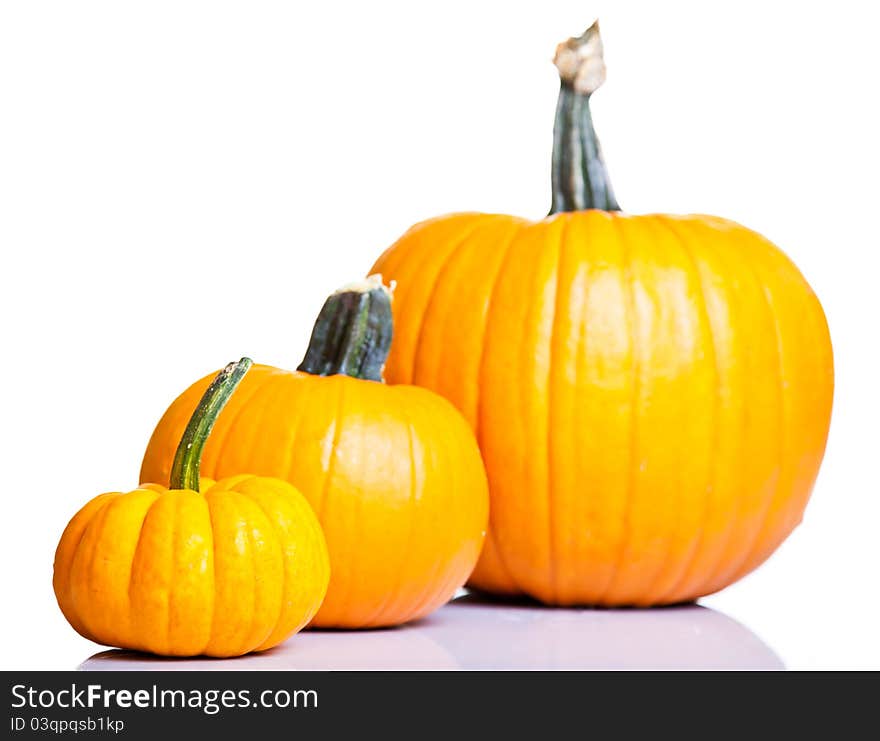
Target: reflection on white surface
{"points": [[472, 632]]}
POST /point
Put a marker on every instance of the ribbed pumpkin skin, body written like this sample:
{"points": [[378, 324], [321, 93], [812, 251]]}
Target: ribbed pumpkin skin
{"points": [[179, 573], [393, 473], [651, 394]]}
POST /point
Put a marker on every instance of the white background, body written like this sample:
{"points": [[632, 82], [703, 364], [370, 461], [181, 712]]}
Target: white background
{"points": [[182, 183]]}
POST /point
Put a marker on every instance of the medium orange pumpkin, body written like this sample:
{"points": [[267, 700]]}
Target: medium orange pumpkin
{"points": [[651, 394], [393, 472]]}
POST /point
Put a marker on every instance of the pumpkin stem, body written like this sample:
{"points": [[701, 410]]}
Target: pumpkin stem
{"points": [[352, 334], [185, 469], [580, 179]]}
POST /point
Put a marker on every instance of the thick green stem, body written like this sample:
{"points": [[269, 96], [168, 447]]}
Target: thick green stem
{"points": [[185, 469], [352, 334], [580, 178]]}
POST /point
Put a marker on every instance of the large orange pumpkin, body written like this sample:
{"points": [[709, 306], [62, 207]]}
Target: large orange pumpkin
{"points": [[393, 472], [651, 394]]}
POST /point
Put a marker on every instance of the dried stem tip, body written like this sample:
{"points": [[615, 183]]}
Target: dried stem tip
{"points": [[579, 61]]}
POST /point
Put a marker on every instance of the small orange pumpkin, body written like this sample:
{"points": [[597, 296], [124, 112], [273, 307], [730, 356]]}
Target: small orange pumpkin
{"points": [[175, 572], [393, 472], [651, 394]]}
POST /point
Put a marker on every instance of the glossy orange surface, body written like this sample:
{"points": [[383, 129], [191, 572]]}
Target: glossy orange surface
{"points": [[237, 569], [393, 473], [651, 394]]}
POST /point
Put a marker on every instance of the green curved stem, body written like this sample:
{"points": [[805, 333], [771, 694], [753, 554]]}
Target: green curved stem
{"points": [[580, 178], [187, 459], [352, 334]]}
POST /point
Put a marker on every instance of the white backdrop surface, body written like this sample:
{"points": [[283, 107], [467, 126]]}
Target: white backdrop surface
{"points": [[182, 183]]}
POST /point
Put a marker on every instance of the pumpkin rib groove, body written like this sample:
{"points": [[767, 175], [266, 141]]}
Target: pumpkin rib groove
{"points": [[344, 593], [676, 504], [551, 500], [582, 381], [493, 284], [410, 273], [138, 504], [249, 550], [262, 420], [457, 579], [198, 510], [137, 556], [331, 463], [713, 334], [212, 516], [821, 356], [170, 585], [491, 535], [491, 532], [767, 508], [635, 404], [524, 368], [97, 522], [392, 258], [172, 591], [443, 591], [446, 590], [430, 589], [692, 557], [213, 579], [97, 564], [351, 593], [134, 557], [390, 601], [233, 513], [227, 426], [255, 617], [67, 580], [279, 536], [305, 396], [444, 266], [420, 269], [460, 269], [745, 564], [253, 418], [820, 329], [736, 505], [295, 427], [348, 594]]}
